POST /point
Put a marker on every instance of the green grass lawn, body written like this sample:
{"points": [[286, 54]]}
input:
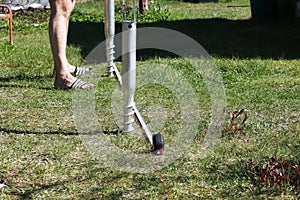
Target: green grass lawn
{"points": [[43, 157]]}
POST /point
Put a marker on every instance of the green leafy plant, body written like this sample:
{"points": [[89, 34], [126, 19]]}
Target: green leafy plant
{"points": [[30, 19], [79, 16], [155, 13]]}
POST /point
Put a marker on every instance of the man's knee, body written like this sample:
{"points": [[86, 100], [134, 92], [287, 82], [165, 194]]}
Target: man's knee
{"points": [[64, 7]]}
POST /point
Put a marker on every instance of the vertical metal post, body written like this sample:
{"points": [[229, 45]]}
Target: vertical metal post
{"points": [[129, 71], [109, 27]]}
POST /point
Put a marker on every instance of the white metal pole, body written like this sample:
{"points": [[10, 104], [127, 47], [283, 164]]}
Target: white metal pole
{"points": [[129, 71], [109, 27]]}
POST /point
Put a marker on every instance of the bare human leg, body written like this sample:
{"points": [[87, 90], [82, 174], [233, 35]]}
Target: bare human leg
{"points": [[58, 31]]}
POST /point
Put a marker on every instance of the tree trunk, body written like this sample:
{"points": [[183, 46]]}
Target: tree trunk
{"points": [[143, 4]]}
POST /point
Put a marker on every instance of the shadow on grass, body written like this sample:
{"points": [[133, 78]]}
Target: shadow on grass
{"points": [[34, 81], [35, 132], [46, 88], [20, 76], [220, 37], [114, 132]]}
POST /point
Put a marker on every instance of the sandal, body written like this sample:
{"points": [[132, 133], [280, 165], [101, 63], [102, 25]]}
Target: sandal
{"points": [[81, 71], [78, 84], [78, 71]]}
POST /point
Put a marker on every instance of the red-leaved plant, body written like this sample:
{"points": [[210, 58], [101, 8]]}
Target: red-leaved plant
{"points": [[234, 127], [274, 174]]}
